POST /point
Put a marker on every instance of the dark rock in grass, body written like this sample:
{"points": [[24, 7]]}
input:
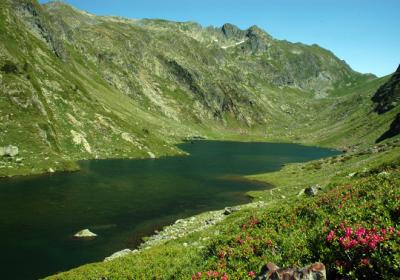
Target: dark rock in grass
{"points": [[312, 191], [230, 210], [9, 68], [271, 271]]}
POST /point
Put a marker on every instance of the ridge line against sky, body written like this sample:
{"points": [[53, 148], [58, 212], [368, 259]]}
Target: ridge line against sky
{"points": [[365, 33]]}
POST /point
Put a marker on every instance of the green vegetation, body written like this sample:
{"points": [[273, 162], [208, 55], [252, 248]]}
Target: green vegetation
{"points": [[77, 86], [359, 190]]}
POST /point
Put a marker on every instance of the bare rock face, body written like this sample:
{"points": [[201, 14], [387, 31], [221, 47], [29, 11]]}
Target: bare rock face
{"points": [[387, 96], [314, 271]]}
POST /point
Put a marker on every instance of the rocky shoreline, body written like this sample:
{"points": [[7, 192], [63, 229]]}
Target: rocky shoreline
{"points": [[184, 227]]}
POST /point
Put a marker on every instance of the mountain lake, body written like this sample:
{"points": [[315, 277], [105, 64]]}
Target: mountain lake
{"points": [[124, 200]]}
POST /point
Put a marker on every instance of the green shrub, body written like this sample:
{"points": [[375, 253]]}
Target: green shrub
{"points": [[9, 68], [351, 228]]}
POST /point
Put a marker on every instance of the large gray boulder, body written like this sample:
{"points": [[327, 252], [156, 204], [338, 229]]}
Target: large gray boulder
{"points": [[10, 151]]}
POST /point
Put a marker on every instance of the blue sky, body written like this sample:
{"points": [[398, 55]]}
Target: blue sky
{"points": [[365, 33]]}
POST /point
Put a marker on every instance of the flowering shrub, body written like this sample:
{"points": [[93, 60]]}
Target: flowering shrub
{"points": [[351, 229], [210, 275], [355, 248]]}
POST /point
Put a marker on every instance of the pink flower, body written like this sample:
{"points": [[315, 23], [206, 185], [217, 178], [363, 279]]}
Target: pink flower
{"points": [[391, 229], [331, 235], [224, 277], [372, 245], [348, 231], [360, 232], [362, 241], [377, 238], [196, 276], [365, 261], [251, 274], [347, 242]]}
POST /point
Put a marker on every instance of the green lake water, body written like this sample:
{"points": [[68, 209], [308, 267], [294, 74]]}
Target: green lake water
{"points": [[124, 200]]}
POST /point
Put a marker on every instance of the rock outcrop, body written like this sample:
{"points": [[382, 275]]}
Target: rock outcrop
{"points": [[271, 271], [387, 98], [388, 95], [231, 31]]}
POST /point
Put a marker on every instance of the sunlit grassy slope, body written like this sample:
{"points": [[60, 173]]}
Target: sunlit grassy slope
{"points": [[78, 86]]}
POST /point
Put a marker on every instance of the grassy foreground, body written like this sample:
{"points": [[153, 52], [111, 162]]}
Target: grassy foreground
{"points": [[351, 226]]}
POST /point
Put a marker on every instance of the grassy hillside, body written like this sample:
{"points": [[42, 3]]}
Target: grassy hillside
{"points": [[78, 86]]}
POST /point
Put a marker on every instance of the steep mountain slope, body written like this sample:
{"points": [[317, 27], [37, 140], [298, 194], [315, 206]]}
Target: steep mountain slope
{"points": [[75, 86], [388, 95], [387, 99]]}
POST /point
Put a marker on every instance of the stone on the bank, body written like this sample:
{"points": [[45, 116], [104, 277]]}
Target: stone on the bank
{"points": [[85, 233], [230, 210], [351, 175], [312, 191], [10, 151], [119, 254], [271, 271]]}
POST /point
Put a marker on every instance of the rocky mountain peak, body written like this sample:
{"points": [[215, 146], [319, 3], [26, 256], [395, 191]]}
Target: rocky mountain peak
{"points": [[232, 31]]}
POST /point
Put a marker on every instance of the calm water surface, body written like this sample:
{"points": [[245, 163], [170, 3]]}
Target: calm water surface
{"points": [[124, 200]]}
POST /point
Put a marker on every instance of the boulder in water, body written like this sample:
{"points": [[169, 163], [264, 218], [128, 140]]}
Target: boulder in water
{"points": [[85, 233]]}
